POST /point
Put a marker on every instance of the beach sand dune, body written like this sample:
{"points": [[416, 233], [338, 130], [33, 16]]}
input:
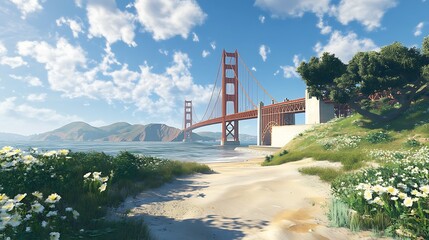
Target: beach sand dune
{"points": [[240, 201]]}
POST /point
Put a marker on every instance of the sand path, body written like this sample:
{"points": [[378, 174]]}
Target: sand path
{"points": [[240, 201]]}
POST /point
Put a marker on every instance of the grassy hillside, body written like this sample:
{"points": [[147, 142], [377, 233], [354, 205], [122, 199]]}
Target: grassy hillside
{"points": [[354, 141], [390, 195]]}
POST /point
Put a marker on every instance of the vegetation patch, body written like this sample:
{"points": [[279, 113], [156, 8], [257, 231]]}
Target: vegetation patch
{"points": [[61, 194], [326, 174]]}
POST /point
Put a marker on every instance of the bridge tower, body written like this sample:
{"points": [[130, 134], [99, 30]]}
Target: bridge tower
{"points": [[187, 134], [229, 97]]}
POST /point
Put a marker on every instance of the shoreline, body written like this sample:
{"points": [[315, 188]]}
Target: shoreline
{"points": [[241, 200]]}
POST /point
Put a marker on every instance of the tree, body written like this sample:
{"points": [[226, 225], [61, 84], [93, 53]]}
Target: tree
{"points": [[395, 70]]}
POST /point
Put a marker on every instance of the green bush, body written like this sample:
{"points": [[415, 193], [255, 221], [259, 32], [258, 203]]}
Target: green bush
{"points": [[378, 137], [86, 185], [412, 143]]}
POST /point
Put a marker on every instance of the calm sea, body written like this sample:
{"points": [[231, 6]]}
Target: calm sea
{"points": [[198, 152]]}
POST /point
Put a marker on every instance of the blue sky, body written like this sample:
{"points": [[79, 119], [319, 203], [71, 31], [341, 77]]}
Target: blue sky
{"points": [[104, 61]]}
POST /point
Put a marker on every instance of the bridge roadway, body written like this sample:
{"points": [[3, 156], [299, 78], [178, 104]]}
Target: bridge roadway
{"points": [[292, 106]]}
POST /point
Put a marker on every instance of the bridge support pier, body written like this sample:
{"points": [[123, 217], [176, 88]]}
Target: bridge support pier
{"points": [[230, 135], [259, 125], [187, 134]]}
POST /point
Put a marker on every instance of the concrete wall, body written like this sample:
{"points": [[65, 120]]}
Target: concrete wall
{"points": [[281, 135], [316, 111]]}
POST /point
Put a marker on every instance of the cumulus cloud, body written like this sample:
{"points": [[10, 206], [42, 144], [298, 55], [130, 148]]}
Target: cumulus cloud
{"points": [[290, 71], [27, 6], [345, 46], [264, 51], [69, 72], [213, 45], [37, 97], [254, 69], [418, 29], [367, 12], [169, 18], [75, 26], [195, 37], [107, 21], [205, 53], [3, 49], [13, 62], [293, 8], [324, 29], [30, 80], [262, 19]]}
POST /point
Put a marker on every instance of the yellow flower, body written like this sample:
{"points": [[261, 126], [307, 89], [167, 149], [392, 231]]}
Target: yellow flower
{"points": [[53, 198], [3, 198], [424, 189], [408, 202], [402, 195], [37, 194], [87, 175], [392, 191], [367, 195], [63, 152], [37, 208], [6, 149], [9, 205], [19, 197], [102, 188]]}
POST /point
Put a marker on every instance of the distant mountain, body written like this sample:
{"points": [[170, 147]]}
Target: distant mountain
{"points": [[117, 132], [12, 137], [218, 136]]}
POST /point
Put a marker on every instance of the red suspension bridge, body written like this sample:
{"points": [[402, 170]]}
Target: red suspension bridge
{"points": [[240, 96]]}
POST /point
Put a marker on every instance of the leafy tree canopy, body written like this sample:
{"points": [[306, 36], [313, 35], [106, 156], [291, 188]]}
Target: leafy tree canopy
{"points": [[396, 71]]}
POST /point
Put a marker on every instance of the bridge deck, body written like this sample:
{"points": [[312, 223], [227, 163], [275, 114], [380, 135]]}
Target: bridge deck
{"points": [[292, 106]]}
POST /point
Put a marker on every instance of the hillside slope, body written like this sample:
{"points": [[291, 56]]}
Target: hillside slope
{"points": [[354, 140]]}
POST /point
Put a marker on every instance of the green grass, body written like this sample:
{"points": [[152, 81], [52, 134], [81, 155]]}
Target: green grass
{"points": [[322, 142], [325, 173], [128, 174]]}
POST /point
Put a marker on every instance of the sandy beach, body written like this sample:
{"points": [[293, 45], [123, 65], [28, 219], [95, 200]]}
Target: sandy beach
{"points": [[242, 200]]}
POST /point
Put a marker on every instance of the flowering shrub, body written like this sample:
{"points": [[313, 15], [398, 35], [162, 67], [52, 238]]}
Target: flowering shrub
{"points": [[340, 142], [387, 156], [398, 194], [29, 215], [59, 194]]}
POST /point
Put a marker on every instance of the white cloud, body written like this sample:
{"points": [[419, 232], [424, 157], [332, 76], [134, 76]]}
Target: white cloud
{"points": [[168, 18], [418, 29], [76, 27], [13, 62], [293, 8], [78, 3], [205, 53], [367, 12], [254, 69], [324, 29], [3, 49], [345, 46], [27, 6], [290, 71], [68, 72], [262, 19], [213, 45], [24, 118], [195, 37], [36, 97], [163, 52], [264, 51], [107, 21], [30, 80]]}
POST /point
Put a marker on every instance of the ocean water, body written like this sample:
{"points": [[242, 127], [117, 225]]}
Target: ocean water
{"points": [[197, 152]]}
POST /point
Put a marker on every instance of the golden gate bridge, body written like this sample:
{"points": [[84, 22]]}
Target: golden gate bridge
{"points": [[240, 96]]}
